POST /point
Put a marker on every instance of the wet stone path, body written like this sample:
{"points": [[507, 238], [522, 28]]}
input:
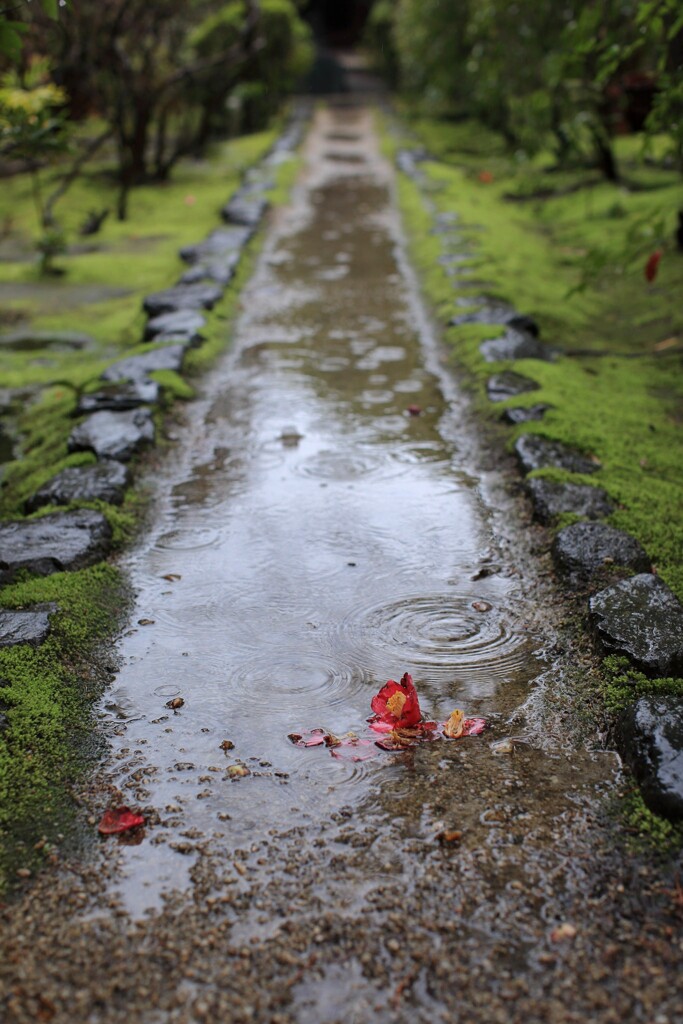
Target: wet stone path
{"points": [[322, 525]]}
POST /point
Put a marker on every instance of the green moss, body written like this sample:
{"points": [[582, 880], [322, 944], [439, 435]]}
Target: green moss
{"points": [[46, 696], [173, 385], [647, 832], [623, 684]]}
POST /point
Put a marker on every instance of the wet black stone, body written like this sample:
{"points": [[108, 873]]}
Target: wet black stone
{"points": [[25, 627], [223, 242], [185, 323], [137, 368], [183, 297], [114, 435], [105, 481], [508, 384], [514, 344], [220, 270], [493, 312], [245, 208], [551, 499], [641, 619], [119, 398], [57, 542], [536, 452], [650, 740], [583, 550], [519, 414]]}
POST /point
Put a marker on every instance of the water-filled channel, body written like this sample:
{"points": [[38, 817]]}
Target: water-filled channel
{"points": [[319, 527]]}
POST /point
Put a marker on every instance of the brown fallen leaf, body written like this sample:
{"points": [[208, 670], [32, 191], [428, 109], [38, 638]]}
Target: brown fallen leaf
{"points": [[175, 703], [562, 932], [661, 346], [449, 837], [146, 622], [227, 745], [172, 577]]}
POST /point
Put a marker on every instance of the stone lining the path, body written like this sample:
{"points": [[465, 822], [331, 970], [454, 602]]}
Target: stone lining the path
{"points": [[536, 452], [641, 619], [585, 550], [515, 344], [524, 414], [183, 296], [56, 542], [105, 481], [650, 739], [25, 627], [551, 499], [508, 384], [114, 435]]}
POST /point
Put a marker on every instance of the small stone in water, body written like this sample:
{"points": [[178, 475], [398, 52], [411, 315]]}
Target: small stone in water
{"points": [[481, 606], [227, 745], [175, 703], [505, 746], [238, 771]]}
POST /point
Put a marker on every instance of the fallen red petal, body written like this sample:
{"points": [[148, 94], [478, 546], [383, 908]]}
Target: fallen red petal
{"points": [[414, 410], [473, 726], [119, 819]]}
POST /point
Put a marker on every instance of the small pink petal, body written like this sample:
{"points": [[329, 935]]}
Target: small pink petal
{"points": [[473, 726]]}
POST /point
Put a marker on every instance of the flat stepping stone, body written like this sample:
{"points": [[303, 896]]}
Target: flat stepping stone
{"points": [[245, 209], [515, 344], [57, 542], [521, 414], [114, 435], [119, 398], [508, 384], [641, 619], [186, 323], [25, 627], [650, 739], [105, 481], [182, 297], [552, 499], [220, 243], [537, 452], [584, 550], [137, 368]]}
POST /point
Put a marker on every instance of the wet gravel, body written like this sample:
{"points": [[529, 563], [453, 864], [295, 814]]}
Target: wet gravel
{"points": [[482, 880]]}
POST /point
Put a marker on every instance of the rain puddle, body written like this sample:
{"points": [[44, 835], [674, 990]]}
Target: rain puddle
{"points": [[320, 527]]}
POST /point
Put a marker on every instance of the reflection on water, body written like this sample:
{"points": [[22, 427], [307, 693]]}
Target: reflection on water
{"points": [[313, 539]]}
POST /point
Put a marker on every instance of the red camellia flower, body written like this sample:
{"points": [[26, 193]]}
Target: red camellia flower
{"points": [[652, 265], [119, 819], [396, 706]]}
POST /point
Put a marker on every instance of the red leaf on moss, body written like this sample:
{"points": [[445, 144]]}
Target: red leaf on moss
{"points": [[119, 819], [652, 265]]}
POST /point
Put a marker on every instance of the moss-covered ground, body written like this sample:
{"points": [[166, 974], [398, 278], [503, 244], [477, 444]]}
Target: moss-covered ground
{"points": [[570, 250], [46, 693]]}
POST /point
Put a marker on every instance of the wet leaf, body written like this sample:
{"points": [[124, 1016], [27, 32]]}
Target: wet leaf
{"points": [[449, 837], [481, 606], [175, 703], [485, 177], [227, 745], [172, 577], [505, 746], [146, 622], [414, 410], [238, 771], [119, 819]]}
